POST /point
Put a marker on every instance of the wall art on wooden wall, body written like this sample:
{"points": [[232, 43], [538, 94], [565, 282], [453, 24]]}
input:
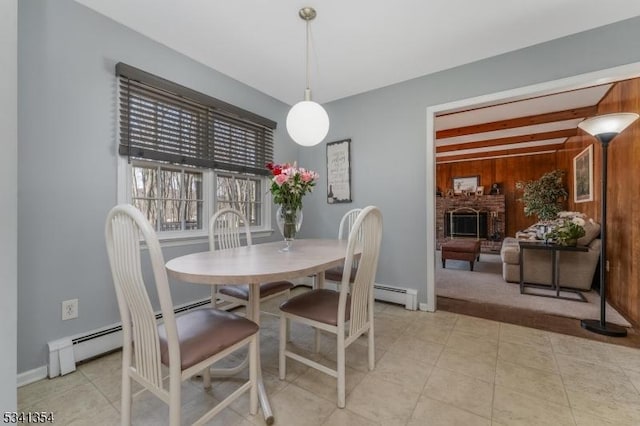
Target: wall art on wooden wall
{"points": [[583, 176], [465, 184], [339, 171]]}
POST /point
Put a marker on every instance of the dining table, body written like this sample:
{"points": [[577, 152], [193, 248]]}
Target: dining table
{"points": [[255, 264]]}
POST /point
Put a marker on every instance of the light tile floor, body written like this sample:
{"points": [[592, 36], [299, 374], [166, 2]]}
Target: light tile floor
{"points": [[431, 369]]}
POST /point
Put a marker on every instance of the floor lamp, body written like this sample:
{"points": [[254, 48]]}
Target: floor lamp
{"points": [[604, 128]]}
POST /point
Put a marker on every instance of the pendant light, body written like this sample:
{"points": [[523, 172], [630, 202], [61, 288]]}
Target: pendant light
{"points": [[307, 121]]}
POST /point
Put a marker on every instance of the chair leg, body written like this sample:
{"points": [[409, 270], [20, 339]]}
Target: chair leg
{"points": [[253, 376], [372, 349], [341, 370], [206, 378], [175, 405], [288, 294], [125, 407], [283, 345], [214, 298]]}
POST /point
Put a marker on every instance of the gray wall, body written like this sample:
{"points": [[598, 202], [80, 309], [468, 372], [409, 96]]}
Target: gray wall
{"points": [[66, 96], [67, 161], [388, 132], [9, 196]]}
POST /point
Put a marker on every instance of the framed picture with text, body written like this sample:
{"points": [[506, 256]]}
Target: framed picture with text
{"points": [[339, 171]]}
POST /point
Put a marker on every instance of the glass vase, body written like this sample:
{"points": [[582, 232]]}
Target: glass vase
{"points": [[289, 220]]}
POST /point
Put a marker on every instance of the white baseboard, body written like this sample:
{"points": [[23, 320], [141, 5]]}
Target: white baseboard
{"points": [[31, 376]]}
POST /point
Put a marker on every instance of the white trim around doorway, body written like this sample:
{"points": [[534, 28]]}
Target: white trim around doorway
{"points": [[569, 83]]}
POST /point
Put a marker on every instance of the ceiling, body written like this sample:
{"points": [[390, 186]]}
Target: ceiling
{"points": [[526, 127], [357, 45]]}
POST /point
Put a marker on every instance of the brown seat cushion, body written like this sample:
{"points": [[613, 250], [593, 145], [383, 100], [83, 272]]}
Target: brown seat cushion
{"points": [[335, 274], [266, 289], [319, 305], [204, 333]]}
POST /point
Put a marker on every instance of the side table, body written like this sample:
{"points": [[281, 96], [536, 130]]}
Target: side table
{"points": [[555, 250]]}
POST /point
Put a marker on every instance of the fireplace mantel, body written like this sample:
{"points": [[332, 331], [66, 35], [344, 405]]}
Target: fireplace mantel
{"points": [[494, 205]]}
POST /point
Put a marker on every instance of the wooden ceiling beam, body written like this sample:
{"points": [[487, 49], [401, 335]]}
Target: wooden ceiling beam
{"points": [[512, 123], [557, 134], [500, 153]]}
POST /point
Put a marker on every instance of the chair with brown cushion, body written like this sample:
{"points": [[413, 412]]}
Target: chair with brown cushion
{"points": [[348, 313], [224, 233], [346, 224], [187, 344]]}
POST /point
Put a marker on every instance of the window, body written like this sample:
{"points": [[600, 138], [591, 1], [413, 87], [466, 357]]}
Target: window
{"points": [[171, 198], [184, 155], [242, 193]]}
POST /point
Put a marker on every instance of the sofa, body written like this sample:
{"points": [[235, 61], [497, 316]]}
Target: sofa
{"points": [[576, 269]]}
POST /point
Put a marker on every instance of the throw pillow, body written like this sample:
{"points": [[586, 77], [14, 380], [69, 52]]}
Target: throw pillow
{"points": [[591, 232]]}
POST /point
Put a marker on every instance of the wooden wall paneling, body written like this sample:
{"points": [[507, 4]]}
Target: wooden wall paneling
{"points": [[573, 147], [507, 171], [623, 204]]}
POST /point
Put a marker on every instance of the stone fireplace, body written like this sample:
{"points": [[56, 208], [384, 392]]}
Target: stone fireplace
{"points": [[488, 225]]}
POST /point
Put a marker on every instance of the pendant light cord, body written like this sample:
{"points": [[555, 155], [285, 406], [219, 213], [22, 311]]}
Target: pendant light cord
{"points": [[307, 56]]}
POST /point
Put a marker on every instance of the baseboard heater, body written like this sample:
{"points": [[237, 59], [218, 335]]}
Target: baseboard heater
{"points": [[385, 293], [98, 342], [95, 343], [400, 295]]}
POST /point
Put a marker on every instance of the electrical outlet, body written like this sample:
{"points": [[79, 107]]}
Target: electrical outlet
{"points": [[70, 309]]}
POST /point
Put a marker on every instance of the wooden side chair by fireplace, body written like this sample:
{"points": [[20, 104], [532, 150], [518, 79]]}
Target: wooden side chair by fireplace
{"points": [[187, 344]]}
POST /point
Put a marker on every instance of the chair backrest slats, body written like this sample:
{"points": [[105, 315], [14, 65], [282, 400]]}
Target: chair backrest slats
{"points": [[366, 234], [224, 228], [124, 226], [346, 225]]}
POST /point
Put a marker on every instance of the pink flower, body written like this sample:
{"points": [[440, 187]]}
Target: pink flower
{"points": [[307, 176], [281, 178]]}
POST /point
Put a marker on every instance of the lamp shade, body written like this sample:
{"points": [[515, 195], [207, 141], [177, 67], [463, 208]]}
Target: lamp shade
{"points": [[608, 123], [307, 123]]}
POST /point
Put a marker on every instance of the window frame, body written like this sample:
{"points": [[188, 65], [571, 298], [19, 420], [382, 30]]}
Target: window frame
{"points": [[209, 203], [220, 112]]}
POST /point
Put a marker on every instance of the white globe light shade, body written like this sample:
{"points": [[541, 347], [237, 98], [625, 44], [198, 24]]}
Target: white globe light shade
{"points": [[307, 123]]}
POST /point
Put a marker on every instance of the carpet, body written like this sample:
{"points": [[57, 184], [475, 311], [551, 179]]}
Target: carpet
{"points": [[485, 284]]}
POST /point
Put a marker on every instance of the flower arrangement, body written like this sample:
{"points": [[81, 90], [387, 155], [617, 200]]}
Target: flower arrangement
{"points": [[288, 185], [568, 231]]}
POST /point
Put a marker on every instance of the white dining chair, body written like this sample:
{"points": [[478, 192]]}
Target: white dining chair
{"points": [[348, 312], [224, 233], [187, 344], [346, 224]]}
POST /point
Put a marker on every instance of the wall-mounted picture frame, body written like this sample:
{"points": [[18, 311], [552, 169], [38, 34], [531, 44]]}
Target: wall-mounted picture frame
{"points": [[339, 171], [583, 176], [465, 184]]}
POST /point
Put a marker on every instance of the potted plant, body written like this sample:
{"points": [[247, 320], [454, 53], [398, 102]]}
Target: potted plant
{"points": [[544, 197]]}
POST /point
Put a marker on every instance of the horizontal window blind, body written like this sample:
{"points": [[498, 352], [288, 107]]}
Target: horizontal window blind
{"points": [[164, 121]]}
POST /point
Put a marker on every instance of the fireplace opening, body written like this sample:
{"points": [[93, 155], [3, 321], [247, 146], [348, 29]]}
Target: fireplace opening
{"points": [[466, 224]]}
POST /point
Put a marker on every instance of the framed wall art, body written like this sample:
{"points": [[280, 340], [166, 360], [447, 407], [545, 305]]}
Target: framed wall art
{"points": [[583, 176], [339, 171], [466, 184]]}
